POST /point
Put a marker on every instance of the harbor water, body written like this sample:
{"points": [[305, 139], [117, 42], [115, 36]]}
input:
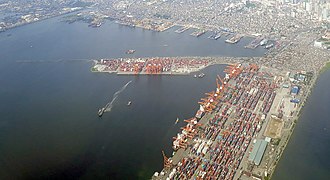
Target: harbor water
{"points": [[49, 126]]}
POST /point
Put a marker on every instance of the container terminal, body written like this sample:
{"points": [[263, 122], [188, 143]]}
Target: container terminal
{"points": [[241, 128], [234, 132], [159, 65]]}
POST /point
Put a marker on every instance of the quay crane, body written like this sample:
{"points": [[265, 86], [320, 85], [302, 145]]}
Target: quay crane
{"points": [[136, 69], [154, 68], [233, 70], [188, 132], [209, 103], [180, 141], [167, 161]]}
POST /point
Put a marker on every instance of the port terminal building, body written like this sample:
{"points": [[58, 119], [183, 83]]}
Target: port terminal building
{"points": [[258, 151]]}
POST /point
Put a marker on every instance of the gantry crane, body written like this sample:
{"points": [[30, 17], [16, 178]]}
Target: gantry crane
{"points": [[167, 161]]}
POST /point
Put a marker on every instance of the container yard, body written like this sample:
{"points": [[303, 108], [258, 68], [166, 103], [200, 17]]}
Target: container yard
{"points": [[157, 65], [226, 139]]}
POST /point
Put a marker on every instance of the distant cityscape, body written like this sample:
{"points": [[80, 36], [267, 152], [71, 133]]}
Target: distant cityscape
{"points": [[14, 13], [269, 17]]}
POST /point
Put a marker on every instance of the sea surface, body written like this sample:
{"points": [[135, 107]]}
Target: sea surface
{"points": [[49, 128]]}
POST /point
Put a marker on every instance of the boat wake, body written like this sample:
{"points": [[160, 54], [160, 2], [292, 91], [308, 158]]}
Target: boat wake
{"points": [[109, 106]]}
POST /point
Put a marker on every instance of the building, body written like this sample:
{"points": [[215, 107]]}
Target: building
{"points": [[295, 101], [318, 44], [295, 90], [258, 151]]}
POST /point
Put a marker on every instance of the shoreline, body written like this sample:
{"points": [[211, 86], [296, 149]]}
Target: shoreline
{"points": [[326, 67]]}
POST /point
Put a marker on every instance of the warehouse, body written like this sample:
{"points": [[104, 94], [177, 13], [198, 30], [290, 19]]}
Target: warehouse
{"points": [[258, 151]]}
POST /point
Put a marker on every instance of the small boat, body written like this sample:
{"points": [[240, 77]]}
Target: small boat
{"points": [[100, 112], [130, 51], [129, 103], [177, 120], [201, 75], [195, 76]]}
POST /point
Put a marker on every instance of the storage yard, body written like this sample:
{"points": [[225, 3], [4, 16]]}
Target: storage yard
{"points": [[237, 130]]}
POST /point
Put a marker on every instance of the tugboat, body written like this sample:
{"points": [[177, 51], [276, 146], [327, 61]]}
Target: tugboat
{"points": [[129, 103], [177, 120], [269, 46], [201, 75], [100, 112]]}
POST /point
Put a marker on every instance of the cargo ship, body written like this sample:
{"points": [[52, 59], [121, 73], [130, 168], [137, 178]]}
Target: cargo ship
{"points": [[263, 42], [100, 112], [269, 46], [216, 35]]}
